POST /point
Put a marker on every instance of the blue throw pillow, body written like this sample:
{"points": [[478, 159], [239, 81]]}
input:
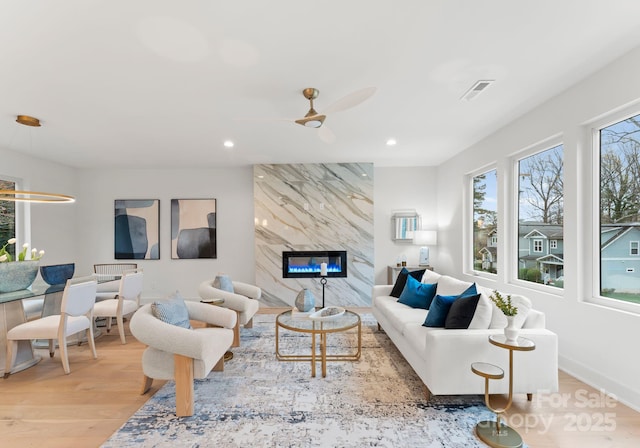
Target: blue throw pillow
{"points": [[416, 294], [223, 282], [438, 311], [172, 311]]}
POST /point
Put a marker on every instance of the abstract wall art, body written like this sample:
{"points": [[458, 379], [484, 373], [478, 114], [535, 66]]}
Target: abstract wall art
{"points": [[193, 228], [137, 229]]}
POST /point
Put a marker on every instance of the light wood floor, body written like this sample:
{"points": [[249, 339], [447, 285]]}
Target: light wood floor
{"points": [[43, 407]]}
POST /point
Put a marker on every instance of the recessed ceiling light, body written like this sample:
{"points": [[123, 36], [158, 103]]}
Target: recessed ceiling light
{"points": [[364, 174], [391, 142], [228, 144], [475, 89]]}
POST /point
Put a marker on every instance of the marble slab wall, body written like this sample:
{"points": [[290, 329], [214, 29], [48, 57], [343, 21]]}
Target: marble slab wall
{"points": [[314, 207]]}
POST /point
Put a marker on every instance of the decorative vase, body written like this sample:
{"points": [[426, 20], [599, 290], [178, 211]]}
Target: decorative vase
{"points": [[17, 275], [305, 301], [57, 274], [511, 331]]}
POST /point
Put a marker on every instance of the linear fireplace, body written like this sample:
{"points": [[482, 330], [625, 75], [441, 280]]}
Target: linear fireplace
{"points": [[307, 264]]}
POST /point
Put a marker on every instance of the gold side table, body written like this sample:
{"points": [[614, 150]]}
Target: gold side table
{"points": [[495, 433], [228, 355]]}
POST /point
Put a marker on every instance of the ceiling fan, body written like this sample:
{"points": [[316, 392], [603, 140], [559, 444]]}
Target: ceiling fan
{"points": [[313, 119]]}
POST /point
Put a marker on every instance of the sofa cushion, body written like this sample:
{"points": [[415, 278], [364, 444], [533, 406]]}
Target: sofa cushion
{"points": [[416, 294], [449, 286], [461, 312], [482, 316], [430, 276], [401, 280], [223, 282], [499, 320], [172, 311]]}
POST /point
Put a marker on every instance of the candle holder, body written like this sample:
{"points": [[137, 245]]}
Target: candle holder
{"points": [[323, 281]]}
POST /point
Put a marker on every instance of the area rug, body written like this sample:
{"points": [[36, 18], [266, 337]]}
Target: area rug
{"points": [[259, 401]]}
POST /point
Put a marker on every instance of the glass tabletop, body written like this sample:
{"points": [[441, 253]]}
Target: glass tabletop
{"points": [[305, 324], [38, 289]]}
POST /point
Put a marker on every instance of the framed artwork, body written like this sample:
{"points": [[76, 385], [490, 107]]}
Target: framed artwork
{"points": [[137, 229], [193, 228]]}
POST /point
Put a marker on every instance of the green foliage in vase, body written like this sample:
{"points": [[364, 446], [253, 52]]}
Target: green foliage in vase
{"points": [[504, 304]]}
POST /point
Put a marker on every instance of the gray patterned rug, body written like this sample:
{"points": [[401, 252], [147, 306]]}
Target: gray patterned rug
{"points": [[259, 401]]}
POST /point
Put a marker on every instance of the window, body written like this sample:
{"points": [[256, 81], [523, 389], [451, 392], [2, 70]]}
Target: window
{"points": [[537, 245], [485, 222], [619, 153], [540, 217], [7, 217]]}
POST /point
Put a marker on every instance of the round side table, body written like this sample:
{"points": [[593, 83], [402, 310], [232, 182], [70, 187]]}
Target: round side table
{"points": [[228, 355], [495, 433]]}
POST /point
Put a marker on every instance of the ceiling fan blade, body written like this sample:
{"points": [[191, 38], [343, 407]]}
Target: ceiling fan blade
{"points": [[326, 134], [350, 100]]}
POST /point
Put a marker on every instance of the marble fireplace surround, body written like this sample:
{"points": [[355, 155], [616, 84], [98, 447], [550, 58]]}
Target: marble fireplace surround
{"points": [[314, 207]]}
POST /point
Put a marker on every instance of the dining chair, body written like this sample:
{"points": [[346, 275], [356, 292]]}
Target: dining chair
{"points": [[76, 315], [125, 303], [108, 275]]}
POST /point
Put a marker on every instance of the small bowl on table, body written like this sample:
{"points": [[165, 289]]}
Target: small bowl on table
{"points": [[57, 274]]}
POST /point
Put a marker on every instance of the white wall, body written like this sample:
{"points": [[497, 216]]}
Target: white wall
{"points": [[596, 344], [405, 188], [233, 190]]}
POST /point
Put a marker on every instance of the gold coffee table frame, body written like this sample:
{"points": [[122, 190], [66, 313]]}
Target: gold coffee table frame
{"points": [[320, 328], [495, 433]]}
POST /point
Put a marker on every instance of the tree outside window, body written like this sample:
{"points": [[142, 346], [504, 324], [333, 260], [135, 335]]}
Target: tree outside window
{"points": [[485, 222], [620, 210], [7, 217], [541, 217]]}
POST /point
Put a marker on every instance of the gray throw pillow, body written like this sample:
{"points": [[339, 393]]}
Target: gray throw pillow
{"points": [[172, 311], [223, 282]]}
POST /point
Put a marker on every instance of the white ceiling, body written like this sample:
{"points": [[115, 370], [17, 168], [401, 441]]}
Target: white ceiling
{"points": [[163, 83]]}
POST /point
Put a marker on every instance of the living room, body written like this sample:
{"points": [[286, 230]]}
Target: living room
{"points": [[596, 338]]}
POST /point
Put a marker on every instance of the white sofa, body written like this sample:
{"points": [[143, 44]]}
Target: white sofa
{"points": [[442, 357]]}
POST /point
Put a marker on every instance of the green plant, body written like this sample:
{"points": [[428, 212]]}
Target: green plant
{"points": [[5, 255], [503, 304]]}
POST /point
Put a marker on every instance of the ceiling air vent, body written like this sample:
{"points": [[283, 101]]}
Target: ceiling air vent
{"points": [[478, 87]]}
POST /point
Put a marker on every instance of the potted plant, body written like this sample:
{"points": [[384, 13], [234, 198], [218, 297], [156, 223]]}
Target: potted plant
{"points": [[19, 273], [510, 311]]}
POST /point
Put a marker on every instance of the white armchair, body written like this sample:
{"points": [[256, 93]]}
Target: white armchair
{"points": [[244, 300], [180, 353]]}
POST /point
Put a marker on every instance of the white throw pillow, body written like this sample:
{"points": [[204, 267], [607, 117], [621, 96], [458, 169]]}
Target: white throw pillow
{"points": [[449, 286], [499, 320], [429, 277], [482, 316]]}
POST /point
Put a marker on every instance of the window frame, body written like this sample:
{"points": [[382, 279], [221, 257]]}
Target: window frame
{"points": [[631, 248], [468, 252], [593, 287], [513, 256]]}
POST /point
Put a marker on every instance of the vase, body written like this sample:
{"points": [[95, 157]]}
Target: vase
{"points": [[305, 301], [17, 275], [511, 331]]}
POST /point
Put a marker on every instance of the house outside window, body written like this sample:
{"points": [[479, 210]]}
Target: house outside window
{"points": [[485, 222], [541, 216], [619, 196], [7, 217]]}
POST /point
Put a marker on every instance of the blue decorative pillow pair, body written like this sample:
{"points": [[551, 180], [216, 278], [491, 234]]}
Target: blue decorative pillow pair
{"points": [[416, 294], [461, 313]]}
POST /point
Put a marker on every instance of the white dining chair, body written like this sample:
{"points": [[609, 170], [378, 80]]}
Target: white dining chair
{"points": [[76, 315], [125, 303]]}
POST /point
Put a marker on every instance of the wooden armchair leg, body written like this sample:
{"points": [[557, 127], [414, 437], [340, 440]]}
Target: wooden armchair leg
{"points": [[236, 332], [249, 324], [146, 384], [183, 373], [529, 397], [219, 367]]}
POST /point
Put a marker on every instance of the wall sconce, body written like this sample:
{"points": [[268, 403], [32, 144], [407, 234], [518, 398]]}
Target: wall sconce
{"points": [[425, 238]]}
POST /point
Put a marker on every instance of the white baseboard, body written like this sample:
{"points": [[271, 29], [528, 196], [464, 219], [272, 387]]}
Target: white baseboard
{"points": [[625, 395]]}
